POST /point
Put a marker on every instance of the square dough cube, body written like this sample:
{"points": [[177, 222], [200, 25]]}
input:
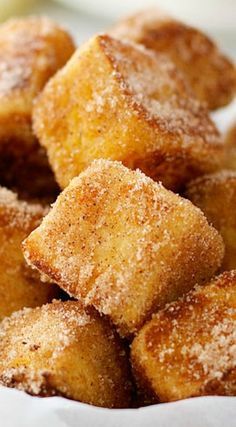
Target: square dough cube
{"points": [[124, 244], [63, 349], [210, 73], [120, 101], [188, 349]]}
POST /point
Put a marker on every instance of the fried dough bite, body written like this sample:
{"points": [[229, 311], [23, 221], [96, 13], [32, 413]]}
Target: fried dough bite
{"points": [[124, 244], [32, 50], [209, 72], [19, 285], [120, 101], [62, 349], [189, 348], [215, 195]]}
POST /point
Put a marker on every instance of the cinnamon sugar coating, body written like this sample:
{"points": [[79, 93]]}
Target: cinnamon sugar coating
{"points": [[189, 348], [19, 285], [215, 195], [120, 101], [210, 73], [62, 349], [124, 244]]}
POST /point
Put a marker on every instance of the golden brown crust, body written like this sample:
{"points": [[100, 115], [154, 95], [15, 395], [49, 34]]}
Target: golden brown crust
{"points": [[137, 110], [18, 215], [188, 349], [124, 244], [211, 74], [215, 195], [63, 349], [19, 285]]}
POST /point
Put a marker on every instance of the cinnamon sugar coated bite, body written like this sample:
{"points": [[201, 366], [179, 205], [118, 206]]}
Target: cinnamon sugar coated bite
{"points": [[124, 244], [64, 350], [19, 285], [32, 50], [210, 73], [117, 100], [189, 348], [215, 195]]}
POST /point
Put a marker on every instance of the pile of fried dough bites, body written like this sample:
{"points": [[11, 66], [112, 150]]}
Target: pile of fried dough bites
{"points": [[123, 293]]}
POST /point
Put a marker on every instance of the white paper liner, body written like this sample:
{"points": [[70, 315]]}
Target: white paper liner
{"points": [[18, 409]]}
